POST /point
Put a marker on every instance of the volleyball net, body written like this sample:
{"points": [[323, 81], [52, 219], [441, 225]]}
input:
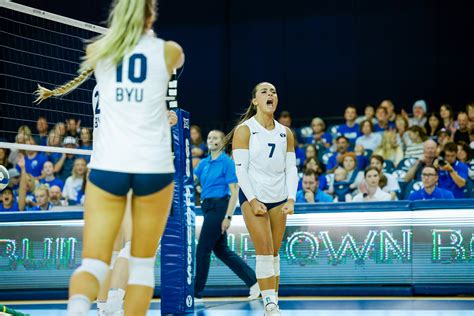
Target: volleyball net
{"points": [[38, 47]]}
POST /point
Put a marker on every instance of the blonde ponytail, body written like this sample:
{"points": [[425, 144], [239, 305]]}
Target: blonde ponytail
{"points": [[43, 93], [126, 24]]}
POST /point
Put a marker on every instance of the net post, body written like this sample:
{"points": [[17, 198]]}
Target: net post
{"points": [[178, 242]]}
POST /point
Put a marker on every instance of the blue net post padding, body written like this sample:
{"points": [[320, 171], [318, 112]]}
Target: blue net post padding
{"points": [[177, 244]]}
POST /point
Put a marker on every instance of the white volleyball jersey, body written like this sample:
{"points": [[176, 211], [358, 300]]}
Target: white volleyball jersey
{"points": [[135, 135], [267, 161], [96, 109]]}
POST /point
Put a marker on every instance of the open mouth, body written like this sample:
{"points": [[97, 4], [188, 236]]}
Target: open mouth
{"points": [[270, 102]]}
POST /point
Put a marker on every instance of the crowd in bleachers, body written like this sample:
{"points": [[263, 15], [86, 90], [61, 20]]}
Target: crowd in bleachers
{"points": [[42, 180], [379, 156]]}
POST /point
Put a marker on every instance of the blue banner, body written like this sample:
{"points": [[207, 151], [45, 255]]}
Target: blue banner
{"points": [[178, 242]]}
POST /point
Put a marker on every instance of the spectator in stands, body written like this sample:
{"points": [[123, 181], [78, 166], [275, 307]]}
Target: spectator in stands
{"points": [[390, 186], [86, 139], [30, 190], [34, 160], [433, 126], [470, 112], [299, 152], [401, 124], [388, 105], [4, 158], [462, 134], [24, 132], [390, 149], [339, 186], [61, 130], [285, 119], [444, 137], [447, 115], [383, 124], [430, 190], [310, 192], [42, 128], [350, 129], [369, 114], [54, 140], [349, 164], [369, 139], [63, 168], [417, 136], [56, 197], [471, 135], [74, 186], [372, 192], [315, 165], [48, 176], [419, 114], [86, 142], [198, 146], [428, 159], [361, 155], [311, 152], [14, 182], [42, 199], [466, 155], [320, 136], [9, 203], [73, 127], [452, 173], [342, 145]]}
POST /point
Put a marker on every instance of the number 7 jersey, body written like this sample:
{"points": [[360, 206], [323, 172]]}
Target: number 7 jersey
{"points": [[134, 132], [267, 161]]}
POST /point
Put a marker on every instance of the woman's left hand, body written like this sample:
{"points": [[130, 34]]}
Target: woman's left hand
{"points": [[225, 225], [288, 208], [172, 118]]}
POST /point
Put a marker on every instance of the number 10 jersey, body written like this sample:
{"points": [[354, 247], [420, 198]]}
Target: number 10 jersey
{"points": [[134, 132]]}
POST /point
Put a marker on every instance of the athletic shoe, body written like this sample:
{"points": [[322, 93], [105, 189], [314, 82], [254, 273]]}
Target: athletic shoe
{"points": [[272, 309], [254, 292]]}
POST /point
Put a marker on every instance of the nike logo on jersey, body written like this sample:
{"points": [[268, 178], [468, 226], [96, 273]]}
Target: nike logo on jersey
{"points": [[238, 164], [253, 133], [283, 135]]}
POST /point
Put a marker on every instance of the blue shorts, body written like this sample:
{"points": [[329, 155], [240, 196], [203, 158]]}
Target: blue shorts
{"points": [[119, 183], [269, 206]]}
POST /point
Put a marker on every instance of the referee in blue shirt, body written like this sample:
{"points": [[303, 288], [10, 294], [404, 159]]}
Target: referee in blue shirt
{"points": [[216, 174]]}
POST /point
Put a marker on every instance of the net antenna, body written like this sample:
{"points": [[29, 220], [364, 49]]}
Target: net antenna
{"points": [[173, 91]]}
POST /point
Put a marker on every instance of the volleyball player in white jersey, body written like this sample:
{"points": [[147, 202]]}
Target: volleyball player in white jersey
{"points": [[112, 290], [132, 151], [265, 161]]}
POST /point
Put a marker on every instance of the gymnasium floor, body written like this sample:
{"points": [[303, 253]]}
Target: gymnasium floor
{"points": [[297, 306]]}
